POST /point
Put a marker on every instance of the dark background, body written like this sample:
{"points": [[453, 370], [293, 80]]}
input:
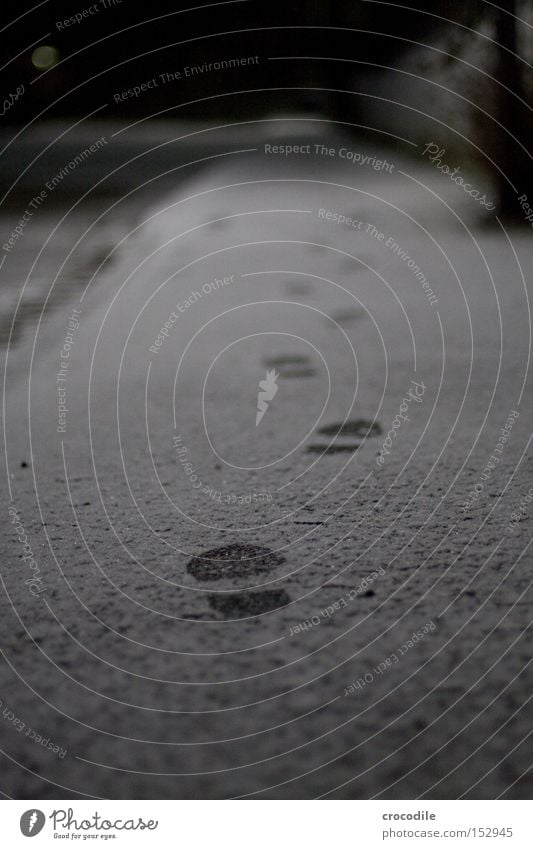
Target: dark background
{"points": [[126, 44]]}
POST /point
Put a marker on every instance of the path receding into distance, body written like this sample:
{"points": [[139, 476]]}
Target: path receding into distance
{"points": [[200, 626]]}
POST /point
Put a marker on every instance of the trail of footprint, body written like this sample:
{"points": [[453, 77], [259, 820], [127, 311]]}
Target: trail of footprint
{"points": [[359, 428], [239, 561], [352, 427], [218, 222], [238, 605], [291, 365], [346, 316], [298, 287], [333, 449], [280, 360], [233, 561], [298, 372]]}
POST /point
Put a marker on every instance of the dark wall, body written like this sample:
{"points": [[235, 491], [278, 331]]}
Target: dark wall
{"points": [[124, 44]]}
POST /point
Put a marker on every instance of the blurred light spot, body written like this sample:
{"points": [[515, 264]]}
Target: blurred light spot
{"points": [[44, 57]]}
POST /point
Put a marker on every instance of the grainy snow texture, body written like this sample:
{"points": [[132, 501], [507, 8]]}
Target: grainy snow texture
{"points": [[225, 609]]}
